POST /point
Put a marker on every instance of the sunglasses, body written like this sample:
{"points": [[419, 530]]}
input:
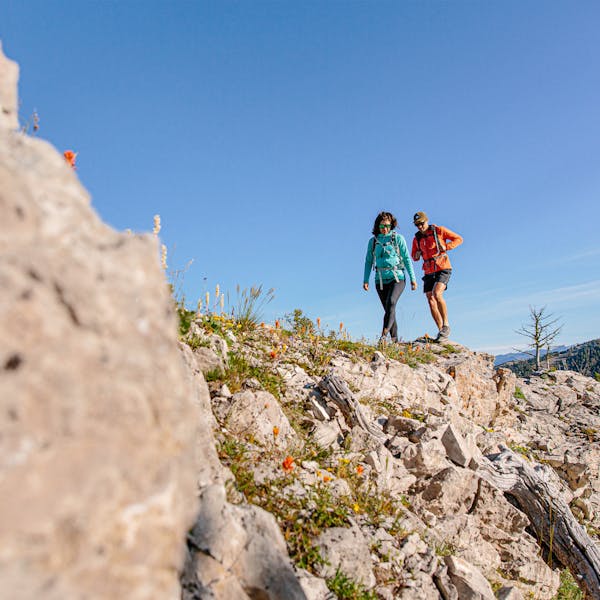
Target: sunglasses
{"points": [[420, 224], [385, 226]]}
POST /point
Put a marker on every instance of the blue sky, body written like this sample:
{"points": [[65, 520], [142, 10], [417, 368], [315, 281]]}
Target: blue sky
{"points": [[268, 135]]}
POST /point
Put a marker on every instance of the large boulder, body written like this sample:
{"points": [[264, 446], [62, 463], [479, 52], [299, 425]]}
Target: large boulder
{"points": [[99, 462]]}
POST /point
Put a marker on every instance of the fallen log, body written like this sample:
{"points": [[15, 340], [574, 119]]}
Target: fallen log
{"points": [[551, 518], [339, 392]]}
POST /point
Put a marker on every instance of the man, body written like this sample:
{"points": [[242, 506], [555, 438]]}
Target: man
{"points": [[431, 243]]}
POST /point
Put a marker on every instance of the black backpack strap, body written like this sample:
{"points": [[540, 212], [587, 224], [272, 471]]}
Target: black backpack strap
{"points": [[436, 238]]}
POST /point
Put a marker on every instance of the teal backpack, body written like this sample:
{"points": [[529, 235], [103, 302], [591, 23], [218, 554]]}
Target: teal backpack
{"points": [[386, 251]]}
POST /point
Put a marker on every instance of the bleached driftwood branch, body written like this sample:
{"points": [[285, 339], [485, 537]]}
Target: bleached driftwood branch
{"points": [[550, 516], [339, 392]]}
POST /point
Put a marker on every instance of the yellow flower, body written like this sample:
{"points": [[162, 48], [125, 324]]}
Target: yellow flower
{"points": [[356, 508], [275, 430]]}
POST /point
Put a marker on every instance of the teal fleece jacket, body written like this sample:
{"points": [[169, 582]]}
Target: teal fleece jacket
{"points": [[386, 258]]}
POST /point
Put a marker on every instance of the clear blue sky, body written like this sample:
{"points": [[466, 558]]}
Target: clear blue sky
{"points": [[268, 135]]}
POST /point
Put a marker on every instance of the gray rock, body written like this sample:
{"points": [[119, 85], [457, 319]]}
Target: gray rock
{"points": [[456, 448], [469, 582], [348, 551]]}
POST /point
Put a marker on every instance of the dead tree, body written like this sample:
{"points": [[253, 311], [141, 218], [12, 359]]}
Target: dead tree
{"points": [[541, 331], [550, 517]]}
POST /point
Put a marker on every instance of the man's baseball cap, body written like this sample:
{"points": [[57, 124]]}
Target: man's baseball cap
{"points": [[420, 217]]}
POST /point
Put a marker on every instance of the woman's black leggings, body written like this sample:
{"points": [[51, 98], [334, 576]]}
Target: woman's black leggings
{"points": [[389, 295]]}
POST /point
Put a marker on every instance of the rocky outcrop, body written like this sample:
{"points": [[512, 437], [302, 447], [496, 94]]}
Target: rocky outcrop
{"points": [[99, 458], [416, 441]]}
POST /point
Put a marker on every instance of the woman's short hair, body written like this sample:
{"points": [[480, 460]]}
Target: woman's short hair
{"points": [[380, 217]]}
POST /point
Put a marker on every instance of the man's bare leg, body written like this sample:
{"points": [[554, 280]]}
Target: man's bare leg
{"points": [[433, 307], [438, 296]]}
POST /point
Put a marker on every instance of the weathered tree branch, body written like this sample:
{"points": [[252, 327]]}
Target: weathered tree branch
{"points": [[549, 515], [339, 392]]}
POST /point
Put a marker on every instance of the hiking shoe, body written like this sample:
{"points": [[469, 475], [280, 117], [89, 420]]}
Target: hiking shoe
{"points": [[445, 330]]}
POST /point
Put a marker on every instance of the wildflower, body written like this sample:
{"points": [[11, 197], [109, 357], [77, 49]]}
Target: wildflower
{"points": [[345, 460], [262, 324], [319, 322], [356, 508], [222, 301], [70, 157], [217, 290], [277, 325], [275, 430], [207, 298], [163, 257], [326, 479], [284, 348], [156, 229], [359, 469], [288, 464], [273, 354], [36, 120], [199, 305], [341, 327]]}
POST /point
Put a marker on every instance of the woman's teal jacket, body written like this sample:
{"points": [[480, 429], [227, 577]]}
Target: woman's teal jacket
{"points": [[387, 259]]}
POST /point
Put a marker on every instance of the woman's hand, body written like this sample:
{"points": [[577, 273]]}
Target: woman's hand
{"points": [[413, 285], [366, 287]]}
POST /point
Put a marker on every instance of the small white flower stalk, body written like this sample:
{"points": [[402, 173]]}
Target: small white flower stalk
{"points": [[222, 301], [163, 257], [199, 307], [156, 229], [207, 302]]}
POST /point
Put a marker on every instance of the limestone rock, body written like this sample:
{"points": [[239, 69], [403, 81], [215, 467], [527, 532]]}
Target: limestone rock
{"points": [[346, 549], [9, 75], [255, 414], [99, 457], [456, 447], [247, 546], [469, 582]]}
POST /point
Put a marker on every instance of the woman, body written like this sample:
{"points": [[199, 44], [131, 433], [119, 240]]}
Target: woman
{"points": [[388, 254]]}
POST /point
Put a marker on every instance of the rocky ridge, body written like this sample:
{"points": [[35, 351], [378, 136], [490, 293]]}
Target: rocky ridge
{"points": [[405, 513]]}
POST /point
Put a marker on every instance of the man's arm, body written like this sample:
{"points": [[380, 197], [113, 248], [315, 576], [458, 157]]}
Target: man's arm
{"points": [[451, 239]]}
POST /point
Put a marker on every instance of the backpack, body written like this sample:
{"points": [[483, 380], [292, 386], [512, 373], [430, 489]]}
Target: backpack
{"points": [[400, 266], [434, 230]]}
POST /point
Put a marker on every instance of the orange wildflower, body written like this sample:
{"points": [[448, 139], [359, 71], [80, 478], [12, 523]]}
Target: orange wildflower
{"points": [[288, 464], [277, 324], [319, 322], [341, 327], [273, 354], [275, 430], [359, 469], [326, 479], [70, 157]]}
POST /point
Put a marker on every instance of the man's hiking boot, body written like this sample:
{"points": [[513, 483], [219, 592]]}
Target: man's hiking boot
{"points": [[443, 334]]}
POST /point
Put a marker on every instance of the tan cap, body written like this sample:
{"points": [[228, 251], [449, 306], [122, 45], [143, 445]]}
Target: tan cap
{"points": [[420, 217]]}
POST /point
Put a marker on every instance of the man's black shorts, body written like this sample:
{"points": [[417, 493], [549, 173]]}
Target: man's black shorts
{"points": [[431, 279]]}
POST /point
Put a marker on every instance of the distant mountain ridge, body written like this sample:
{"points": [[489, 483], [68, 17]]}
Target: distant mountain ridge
{"points": [[583, 358], [501, 359]]}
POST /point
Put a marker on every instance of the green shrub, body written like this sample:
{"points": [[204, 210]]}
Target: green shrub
{"points": [[347, 589], [568, 590], [519, 393]]}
